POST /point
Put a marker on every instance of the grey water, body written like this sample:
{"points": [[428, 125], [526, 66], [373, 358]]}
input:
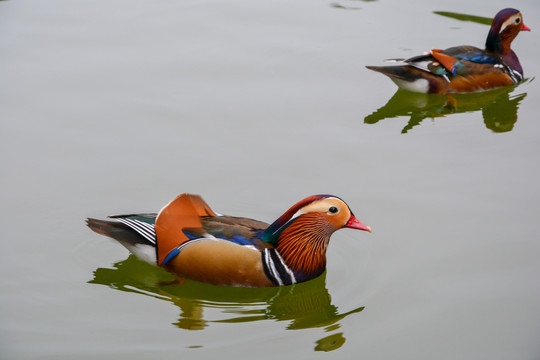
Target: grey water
{"points": [[117, 107]]}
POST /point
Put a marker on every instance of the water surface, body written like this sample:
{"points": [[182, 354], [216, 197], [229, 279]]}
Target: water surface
{"points": [[117, 107]]}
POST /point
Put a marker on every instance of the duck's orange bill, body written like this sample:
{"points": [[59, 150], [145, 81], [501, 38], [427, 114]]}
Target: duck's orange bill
{"points": [[354, 223], [525, 28]]}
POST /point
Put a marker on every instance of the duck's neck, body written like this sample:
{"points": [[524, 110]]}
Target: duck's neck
{"points": [[499, 43], [302, 245]]}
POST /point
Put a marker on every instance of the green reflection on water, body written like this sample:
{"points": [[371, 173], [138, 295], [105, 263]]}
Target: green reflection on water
{"points": [[465, 17], [330, 343], [303, 306], [341, 4], [499, 108]]}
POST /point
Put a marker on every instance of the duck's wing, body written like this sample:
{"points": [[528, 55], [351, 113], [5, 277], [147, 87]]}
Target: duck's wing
{"points": [[189, 217]]}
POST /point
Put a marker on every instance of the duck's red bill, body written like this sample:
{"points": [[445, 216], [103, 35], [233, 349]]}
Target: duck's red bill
{"points": [[354, 223]]}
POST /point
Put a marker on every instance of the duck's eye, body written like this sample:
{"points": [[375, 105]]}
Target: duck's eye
{"points": [[333, 210], [517, 21]]}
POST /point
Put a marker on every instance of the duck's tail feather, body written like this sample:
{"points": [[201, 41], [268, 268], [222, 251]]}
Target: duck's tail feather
{"points": [[139, 245]]}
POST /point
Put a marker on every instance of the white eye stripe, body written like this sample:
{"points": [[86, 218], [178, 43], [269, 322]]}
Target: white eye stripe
{"points": [[511, 21], [302, 211]]}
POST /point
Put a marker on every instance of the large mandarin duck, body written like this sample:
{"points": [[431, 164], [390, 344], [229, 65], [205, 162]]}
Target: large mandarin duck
{"points": [[464, 69], [190, 240]]}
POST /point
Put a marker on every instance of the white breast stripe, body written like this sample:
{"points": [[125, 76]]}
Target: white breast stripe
{"points": [[273, 269], [279, 273], [515, 75], [287, 269]]}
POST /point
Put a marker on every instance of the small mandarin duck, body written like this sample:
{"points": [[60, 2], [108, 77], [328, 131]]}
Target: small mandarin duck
{"points": [[190, 240], [464, 69]]}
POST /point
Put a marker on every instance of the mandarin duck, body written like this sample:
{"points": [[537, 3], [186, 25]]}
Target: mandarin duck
{"points": [[192, 241], [464, 69]]}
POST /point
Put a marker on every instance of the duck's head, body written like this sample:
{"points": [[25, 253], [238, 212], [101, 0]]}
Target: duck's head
{"points": [[323, 211], [505, 27], [301, 235]]}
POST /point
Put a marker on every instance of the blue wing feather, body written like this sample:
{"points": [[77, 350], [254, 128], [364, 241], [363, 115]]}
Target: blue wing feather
{"points": [[479, 57]]}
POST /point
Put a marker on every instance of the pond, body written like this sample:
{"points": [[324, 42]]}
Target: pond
{"points": [[117, 107]]}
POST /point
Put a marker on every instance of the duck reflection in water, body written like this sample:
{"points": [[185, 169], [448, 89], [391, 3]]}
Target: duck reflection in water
{"points": [[499, 108], [304, 305]]}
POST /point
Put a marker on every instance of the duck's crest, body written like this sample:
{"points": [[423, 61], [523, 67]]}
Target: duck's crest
{"points": [[271, 234]]}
